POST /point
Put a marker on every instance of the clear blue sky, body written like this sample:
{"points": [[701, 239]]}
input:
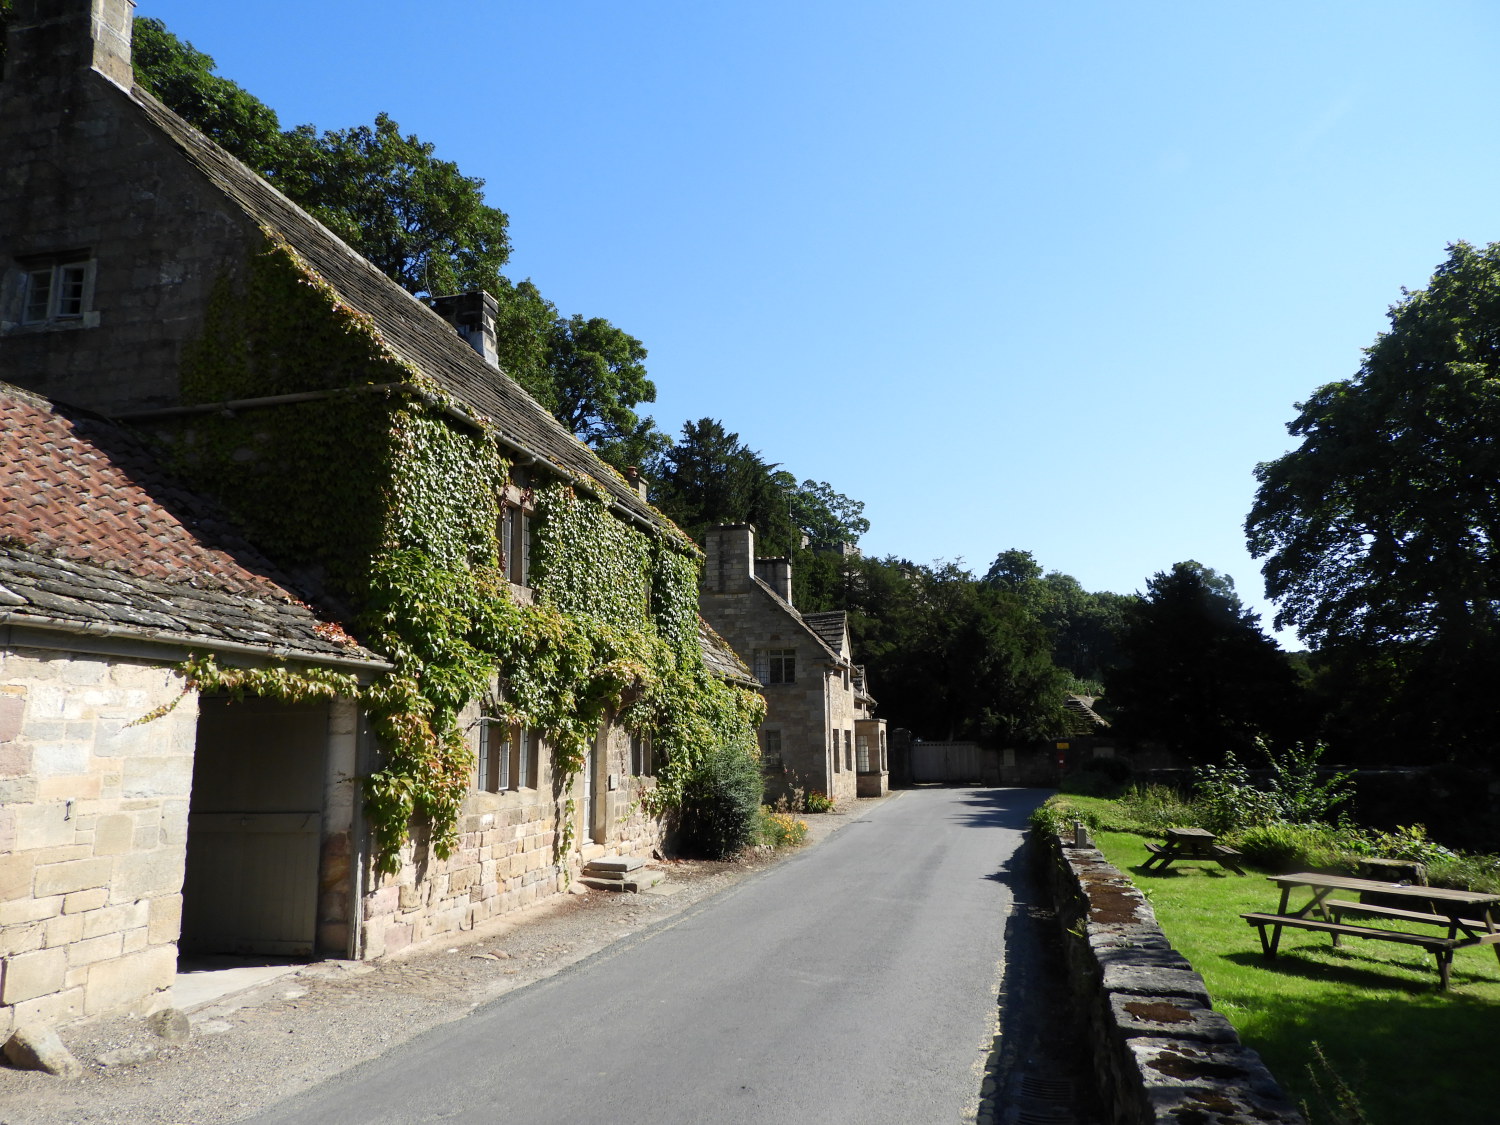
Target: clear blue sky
{"points": [[1048, 276]]}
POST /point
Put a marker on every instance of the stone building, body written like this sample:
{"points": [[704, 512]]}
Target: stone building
{"points": [[820, 731], [158, 287], [117, 781]]}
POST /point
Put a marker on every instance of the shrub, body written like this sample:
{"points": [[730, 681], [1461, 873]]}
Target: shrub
{"points": [[780, 829], [1152, 809], [1301, 798], [1280, 848], [721, 804], [1467, 873], [818, 801], [1226, 798]]}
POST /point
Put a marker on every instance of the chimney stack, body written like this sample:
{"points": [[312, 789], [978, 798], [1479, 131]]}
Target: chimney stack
{"points": [[777, 574], [50, 40], [729, 558], [474, 315]]}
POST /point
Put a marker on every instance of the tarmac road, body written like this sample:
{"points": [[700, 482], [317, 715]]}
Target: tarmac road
{"points": [[856, 982]]}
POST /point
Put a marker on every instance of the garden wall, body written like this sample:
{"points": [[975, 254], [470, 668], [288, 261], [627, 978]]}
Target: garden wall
{"points": [[1161, 1053]]}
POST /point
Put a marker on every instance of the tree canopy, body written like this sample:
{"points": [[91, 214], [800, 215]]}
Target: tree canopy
{"points": [[1381, 530], [1195, 671]]}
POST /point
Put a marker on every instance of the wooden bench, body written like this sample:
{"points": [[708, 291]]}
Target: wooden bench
{"points": [[1442, 947], [1340, 907], [1197, 848]]}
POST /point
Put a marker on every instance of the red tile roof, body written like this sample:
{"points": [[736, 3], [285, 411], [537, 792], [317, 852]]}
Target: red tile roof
{"points": [[76, 487]]}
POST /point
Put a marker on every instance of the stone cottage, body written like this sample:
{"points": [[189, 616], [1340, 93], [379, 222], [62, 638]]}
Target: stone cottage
{"points": [[820, 731], [520, 609], [109, 578]]}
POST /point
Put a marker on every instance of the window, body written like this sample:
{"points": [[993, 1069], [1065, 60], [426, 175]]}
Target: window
{"points": [[524, 758], [770, 749], [58, 291], [848, 750], [494, 755], [640, 755], [776, 665], [515, 529], [508, 757], [837, 757], [883, 765], [862, 752]]}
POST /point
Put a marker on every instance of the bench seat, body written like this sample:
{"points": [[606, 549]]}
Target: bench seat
{"points": [[1344, 906], [1442, 947]]}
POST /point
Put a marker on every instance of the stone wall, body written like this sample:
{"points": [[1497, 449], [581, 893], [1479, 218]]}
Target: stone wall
{"points": [[85, 175], [1160, 1051], [93, 824], [507, 855]]}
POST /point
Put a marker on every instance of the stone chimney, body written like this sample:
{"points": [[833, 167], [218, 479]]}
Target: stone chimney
{"points": [[474, 315], [729, 558], [51, 40], [777, 574]]}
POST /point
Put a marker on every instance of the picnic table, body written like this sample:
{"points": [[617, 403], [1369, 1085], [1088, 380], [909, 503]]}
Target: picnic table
{"points": [[1464, 919], [1197, 845]]}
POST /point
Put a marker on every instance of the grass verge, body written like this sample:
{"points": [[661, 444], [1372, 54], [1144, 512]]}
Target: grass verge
{"points": [[1411, 1054]]}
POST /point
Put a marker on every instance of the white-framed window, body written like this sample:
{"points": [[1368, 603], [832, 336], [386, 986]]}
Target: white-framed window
{"points": [[494, 755], [640, 755], [514, 533], [862, 753], [770, 749], [776, 665], [56, 291], [508, 757]]}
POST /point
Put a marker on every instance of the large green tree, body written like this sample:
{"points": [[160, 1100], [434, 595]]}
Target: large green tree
{"points": [[1381, 530], [1194, 670]]}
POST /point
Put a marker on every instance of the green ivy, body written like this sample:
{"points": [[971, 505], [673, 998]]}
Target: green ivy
{"points": [[396, 506]]}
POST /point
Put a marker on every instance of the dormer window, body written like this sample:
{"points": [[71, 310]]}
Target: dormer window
{"points": [[57, 291]]}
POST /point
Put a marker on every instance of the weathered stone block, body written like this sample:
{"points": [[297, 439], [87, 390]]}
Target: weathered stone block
{"points": [[164, 919], [87, 952], [16, 875], [80, 902], [38, 1047], [65, 878], [114, 834], [63, 930], [28, 975], [158, 777], [131, 980]]}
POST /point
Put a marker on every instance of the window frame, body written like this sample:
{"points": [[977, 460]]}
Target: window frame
{"points": [[771, 756], [67, 300], [515, 530]]}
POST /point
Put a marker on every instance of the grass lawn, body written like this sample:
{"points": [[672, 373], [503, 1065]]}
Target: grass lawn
{"points": [[1412, 1054]]}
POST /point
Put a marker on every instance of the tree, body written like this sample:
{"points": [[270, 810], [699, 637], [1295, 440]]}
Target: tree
{"points": [[420, 220], [183, 77], [1381, 530], [711, 477], [828, 518], [951, 657], [1195, 671], [597, 379]]}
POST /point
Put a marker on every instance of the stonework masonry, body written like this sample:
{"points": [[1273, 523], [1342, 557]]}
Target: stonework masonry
{"points": [[93, 823]]}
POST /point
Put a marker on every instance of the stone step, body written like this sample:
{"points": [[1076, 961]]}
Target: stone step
{"points": [[615, 863], [640, 880]]}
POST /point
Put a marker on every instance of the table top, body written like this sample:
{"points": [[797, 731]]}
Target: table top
{"points": [[1375, 886], [1191, 834]]}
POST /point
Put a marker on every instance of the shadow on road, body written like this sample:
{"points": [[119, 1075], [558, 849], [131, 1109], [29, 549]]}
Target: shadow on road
{"points": [[1039, 1065]]}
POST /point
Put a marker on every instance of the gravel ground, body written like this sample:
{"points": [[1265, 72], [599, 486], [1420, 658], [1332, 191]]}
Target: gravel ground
{"points": [[252, 1049]]}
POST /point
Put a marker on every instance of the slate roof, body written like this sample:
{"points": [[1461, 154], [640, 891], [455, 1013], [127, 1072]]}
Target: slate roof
{"points": [[830, 627], [1081, 716], [720, 659], [94, 537], [411, 330]]}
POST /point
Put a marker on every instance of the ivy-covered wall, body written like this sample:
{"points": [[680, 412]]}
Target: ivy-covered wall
{"points": [[395, 505]]}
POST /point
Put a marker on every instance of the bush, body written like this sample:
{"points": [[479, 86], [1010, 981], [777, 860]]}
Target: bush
{"points": [[1280, 848], [1301, 798], [818, 801], [780, 829], [1152, 809], [721, 805], [1226, 799]]}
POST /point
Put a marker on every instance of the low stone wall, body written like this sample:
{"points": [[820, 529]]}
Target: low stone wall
{"points": [[1161, 1053]]}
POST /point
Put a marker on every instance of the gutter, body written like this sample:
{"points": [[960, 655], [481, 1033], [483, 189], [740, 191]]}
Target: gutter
{"points": [[12, 623]]}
